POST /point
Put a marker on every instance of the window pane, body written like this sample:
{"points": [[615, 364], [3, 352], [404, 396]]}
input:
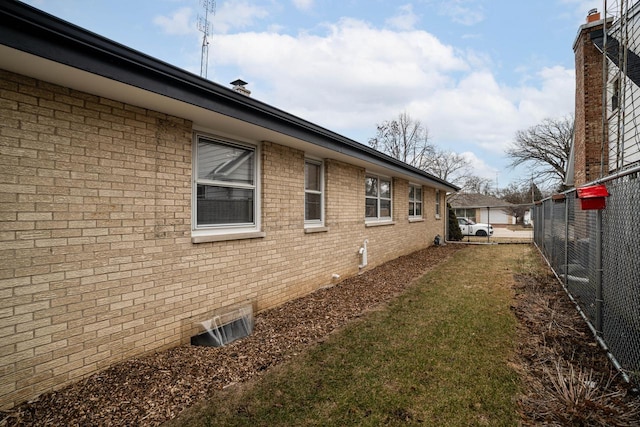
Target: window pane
{"points": [[312, 176], [385, 208], [224, 205], [371, 186], [411, 192], [411, 209], [220, 162], [371, 208], [418, 209], [418, 193], [312, 207], [385, 189]]}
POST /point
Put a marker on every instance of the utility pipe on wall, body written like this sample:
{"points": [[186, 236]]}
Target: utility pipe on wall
{"points": [[363, 254]]}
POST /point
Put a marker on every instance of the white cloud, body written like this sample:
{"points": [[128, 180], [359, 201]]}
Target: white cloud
{"points": [[303, 4], [479, 166], [464, 12], [475, 110], [404, 20], [554, 97], [352, 68], [580, 8], [230, 15], [354, 75], [480, 111], [178, 23], [237, 14]]}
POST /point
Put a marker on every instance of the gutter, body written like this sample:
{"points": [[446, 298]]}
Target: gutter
{"points": [[30, 30]]}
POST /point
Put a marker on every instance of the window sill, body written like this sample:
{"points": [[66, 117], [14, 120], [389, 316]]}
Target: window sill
{"points": [[416, 219], [311, 230], [379, 223], [437, 216], [226, 237]]}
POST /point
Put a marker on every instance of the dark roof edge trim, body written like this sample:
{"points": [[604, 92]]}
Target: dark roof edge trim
{"points": [[28, 29]]}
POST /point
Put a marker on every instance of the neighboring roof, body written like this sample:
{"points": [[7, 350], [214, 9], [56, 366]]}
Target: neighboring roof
{"points": [[42, 46], [476, 200]]}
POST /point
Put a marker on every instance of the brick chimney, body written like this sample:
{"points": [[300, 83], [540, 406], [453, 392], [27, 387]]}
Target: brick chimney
{"points": [[593, 16], [588, 134]]}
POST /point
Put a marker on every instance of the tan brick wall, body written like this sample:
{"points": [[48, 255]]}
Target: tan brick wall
{"points": [[96, 259]]}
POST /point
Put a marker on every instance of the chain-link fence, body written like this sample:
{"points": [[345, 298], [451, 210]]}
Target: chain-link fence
{"points": [[508, 223], [596, 254]]}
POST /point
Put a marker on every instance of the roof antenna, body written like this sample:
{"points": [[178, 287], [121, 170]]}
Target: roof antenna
{"points": [[205, 27]]}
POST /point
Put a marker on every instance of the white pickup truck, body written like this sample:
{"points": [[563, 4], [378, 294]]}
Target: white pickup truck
{"points": [[470, 228]]}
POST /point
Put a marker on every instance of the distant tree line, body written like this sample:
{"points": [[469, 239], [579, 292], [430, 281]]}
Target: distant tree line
{"points": [[545, 148], [407, 139]]}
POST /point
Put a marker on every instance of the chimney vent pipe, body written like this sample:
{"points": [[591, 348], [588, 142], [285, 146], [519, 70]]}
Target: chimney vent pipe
{"points": [[239, 86], [593, 15]]}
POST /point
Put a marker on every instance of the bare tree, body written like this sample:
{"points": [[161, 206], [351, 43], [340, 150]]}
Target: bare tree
{"points": [[447, 165], [406, 139], [545, 147], [403, 138], [477, 184], [520, 195]]}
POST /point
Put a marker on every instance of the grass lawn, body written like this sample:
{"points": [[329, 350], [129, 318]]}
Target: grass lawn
{"points": [[438, 355]]}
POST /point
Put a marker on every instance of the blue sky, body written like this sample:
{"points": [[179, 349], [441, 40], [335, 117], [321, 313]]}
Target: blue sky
{"points": [[473, 71]]}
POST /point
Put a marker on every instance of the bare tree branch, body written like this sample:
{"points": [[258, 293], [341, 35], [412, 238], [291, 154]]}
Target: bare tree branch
{"points": [[447, 165], [476, 184], [520, 194], [404, 138], [545, 146]]}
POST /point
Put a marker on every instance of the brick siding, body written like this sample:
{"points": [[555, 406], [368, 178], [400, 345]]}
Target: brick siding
{"points": [[96, 259], [588, 131]]}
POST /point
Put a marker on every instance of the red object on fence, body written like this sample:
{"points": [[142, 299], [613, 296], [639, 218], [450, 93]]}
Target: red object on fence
{"points": [[592, 197]]}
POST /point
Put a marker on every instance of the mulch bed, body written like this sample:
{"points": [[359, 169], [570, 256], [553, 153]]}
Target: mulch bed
{"points": [[150, 390], [567, 379]]}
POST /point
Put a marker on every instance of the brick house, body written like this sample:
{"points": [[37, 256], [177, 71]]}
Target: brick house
{"points": [[136, 198]]}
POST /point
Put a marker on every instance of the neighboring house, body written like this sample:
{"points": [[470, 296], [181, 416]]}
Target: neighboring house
{"points": [[138, 198], [623, 89], [482, 208], [596, 153]]}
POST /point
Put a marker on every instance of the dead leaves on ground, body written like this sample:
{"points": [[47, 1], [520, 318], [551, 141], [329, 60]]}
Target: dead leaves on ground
{"points": [[567, 378], [150, 390]]}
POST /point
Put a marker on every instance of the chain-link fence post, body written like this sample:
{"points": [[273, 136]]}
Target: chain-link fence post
{"points": [[566, 242], [552, 231], [599, 272], [489, 223]]}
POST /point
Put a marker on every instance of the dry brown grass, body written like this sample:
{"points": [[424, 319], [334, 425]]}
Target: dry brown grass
{"points": [[568, 379]]}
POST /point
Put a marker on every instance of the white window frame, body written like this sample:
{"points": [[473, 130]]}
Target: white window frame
{"points": [[378, 198], [314, 223], [417, 189], [215, 232], [438, 202]]}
